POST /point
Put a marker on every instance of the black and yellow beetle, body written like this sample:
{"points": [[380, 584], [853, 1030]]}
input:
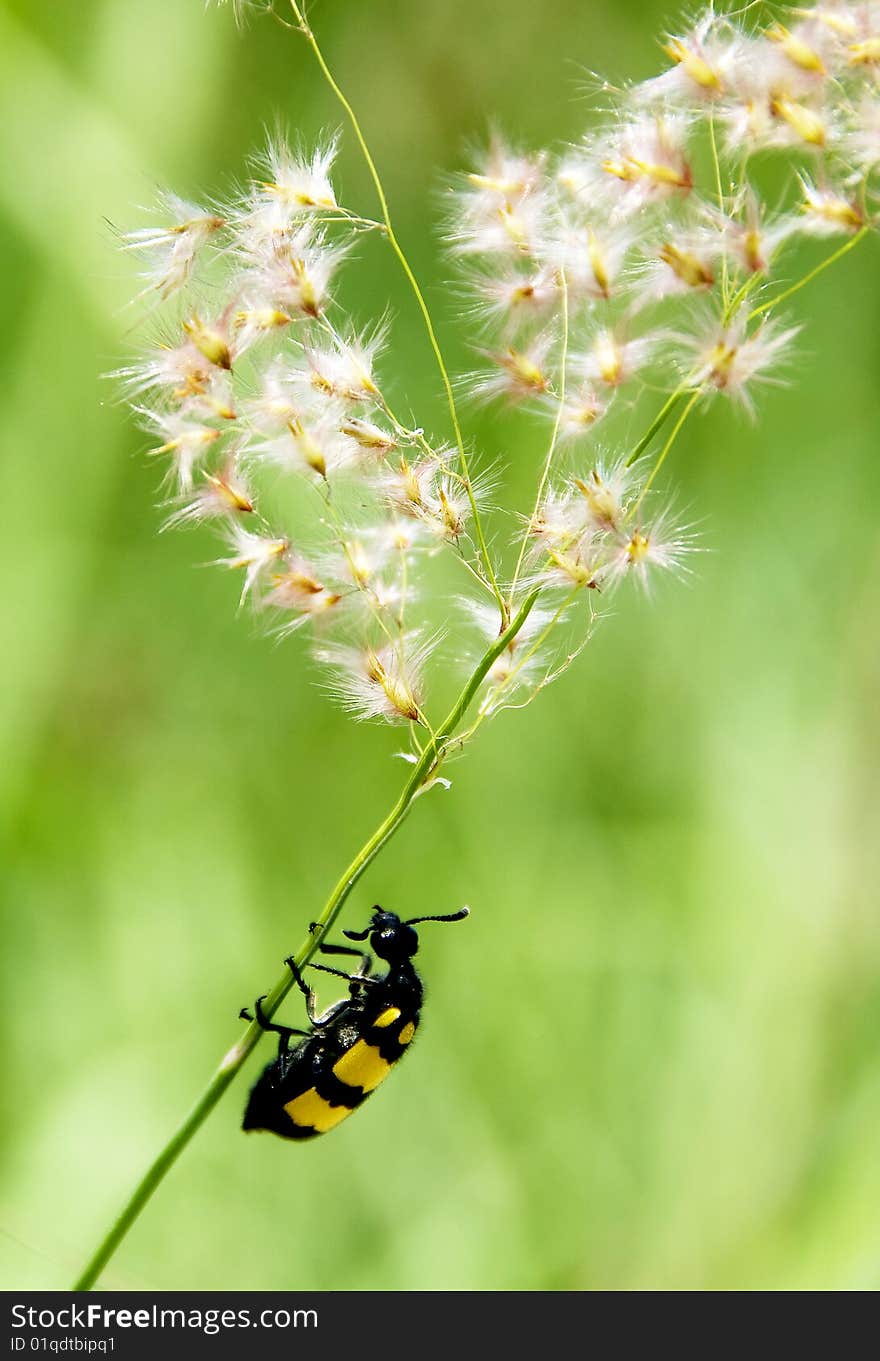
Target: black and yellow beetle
{"points": [[353, 1046]]}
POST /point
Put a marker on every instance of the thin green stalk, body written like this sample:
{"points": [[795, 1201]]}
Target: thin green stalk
{"points": [[813, 274], [673, 435], [430, 759], [740, 296], [719, 190], [535, 647], [419, 296], [671, 401]]}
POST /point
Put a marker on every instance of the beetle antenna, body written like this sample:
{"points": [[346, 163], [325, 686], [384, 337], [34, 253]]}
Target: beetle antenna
{"points": [[358, 935], [452, 917]]}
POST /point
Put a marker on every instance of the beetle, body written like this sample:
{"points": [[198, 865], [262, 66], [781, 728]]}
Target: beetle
{"points": [[350, 1049]]}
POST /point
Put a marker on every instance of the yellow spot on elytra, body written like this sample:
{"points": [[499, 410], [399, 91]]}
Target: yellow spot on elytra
{"points": [[388, 1017], [362, 1066], [407, 1033], [310, 1109]]}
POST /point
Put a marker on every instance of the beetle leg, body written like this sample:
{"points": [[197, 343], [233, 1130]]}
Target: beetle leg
{"points": [[283, 1032], [311, 1004], [358, 978], [331, 949], [340, 950]]}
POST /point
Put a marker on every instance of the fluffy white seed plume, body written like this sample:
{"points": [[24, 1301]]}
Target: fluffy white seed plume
{"points": [[860, 143], [184, 439], [299, 183], [514, 298], [704, 61], [638, 550], [591, 254], [311, 441], [726, 358], [633, 272], [254, 554], [297, 591], [647, 160], [749, 235], [607, 491], [581, 409], [381, 681], [181, 376], [221, 494], [520, 373], [290, 271], [425, 489], [171, 247], [827, 211], [343, 367], [501, 209], [613, 358], [373, 440], [681, 264]]}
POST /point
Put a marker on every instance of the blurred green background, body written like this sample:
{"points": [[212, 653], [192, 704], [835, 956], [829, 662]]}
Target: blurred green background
{"points": [[651, 1060]]}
